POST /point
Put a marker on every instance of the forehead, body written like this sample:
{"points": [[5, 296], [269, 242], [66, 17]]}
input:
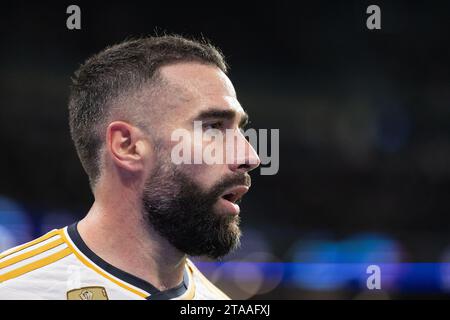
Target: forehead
{"points": [[196, 87]]}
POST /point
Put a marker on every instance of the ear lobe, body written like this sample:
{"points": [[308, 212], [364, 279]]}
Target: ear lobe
{"points": [[124, 146]]}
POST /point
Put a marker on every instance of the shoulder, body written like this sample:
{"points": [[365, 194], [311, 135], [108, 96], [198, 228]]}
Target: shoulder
{"points": [[25, 269], [205, 289]]}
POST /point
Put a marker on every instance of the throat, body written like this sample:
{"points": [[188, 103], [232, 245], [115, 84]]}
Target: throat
{"points": [[145, 256]]}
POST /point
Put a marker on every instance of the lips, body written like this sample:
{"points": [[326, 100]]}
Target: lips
{"points": [[234, 194]]}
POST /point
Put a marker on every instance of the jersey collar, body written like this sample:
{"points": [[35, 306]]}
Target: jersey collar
{"points": [[154, 293]]}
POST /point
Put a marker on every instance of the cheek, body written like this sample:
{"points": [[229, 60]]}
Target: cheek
{"points": [[192, 158]]}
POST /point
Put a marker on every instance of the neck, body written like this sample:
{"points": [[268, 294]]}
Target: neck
{"points": [[118, 234]]}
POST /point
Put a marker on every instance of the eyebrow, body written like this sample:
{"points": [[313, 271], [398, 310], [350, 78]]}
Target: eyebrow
{"points": [[222, 114]]}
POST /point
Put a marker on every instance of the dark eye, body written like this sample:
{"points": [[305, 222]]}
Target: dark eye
{"points": [[213, 125]]}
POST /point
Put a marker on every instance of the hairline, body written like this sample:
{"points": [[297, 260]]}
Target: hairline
{"points": [[157, 83]]}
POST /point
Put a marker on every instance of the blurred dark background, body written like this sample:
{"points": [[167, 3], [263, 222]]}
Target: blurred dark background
{"points": [[364, 120]]}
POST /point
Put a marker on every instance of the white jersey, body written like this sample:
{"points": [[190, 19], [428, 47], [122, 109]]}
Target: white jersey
{"points": [[59, 266]]}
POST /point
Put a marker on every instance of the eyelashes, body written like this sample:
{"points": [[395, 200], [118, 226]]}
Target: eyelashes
{"points": [[218, 125], [221, 125]]}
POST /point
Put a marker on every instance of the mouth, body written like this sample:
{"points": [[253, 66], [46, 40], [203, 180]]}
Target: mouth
{"points": [[232, 196]]}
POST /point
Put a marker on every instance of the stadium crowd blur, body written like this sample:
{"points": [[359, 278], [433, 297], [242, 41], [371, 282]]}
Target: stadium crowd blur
{"points": [[364, 120]]}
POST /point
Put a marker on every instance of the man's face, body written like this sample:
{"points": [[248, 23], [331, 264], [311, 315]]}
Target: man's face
{"points": [[195, 206]]}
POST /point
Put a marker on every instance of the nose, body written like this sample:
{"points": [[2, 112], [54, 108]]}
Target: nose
{"points": [[246, 159]]}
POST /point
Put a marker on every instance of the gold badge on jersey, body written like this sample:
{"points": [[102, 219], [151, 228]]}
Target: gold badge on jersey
{"points": [[87, 293]]}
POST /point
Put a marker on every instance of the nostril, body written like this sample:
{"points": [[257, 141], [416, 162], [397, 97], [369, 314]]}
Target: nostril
{"points": [[244, 166]]}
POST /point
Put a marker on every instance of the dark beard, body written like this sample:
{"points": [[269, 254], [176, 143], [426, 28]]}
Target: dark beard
{"points": [[180, 211]]}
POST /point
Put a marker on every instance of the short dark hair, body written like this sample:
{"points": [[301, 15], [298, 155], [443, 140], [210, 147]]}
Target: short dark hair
{"points": [[118, 70]]}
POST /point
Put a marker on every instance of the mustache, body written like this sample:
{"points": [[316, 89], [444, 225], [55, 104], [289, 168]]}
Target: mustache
{"points": [[231, 181]]}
